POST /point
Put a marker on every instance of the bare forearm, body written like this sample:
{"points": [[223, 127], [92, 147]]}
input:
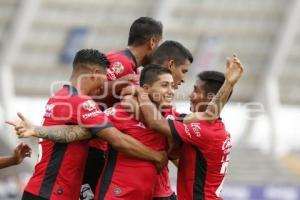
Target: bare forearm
{"points": [[138, 150], [218, 102], [7, 161], [62, 134], [152, 116]]}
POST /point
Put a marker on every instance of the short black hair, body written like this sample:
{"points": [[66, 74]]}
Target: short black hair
{"points": [[213, 81], [143, 29], [151, 72], [171, 50], [90, 57]]}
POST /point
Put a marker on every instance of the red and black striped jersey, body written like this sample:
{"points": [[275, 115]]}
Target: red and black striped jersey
{"points": [[122, 63], [59, 173], [204, 159], [162, 186], [126, 177]]}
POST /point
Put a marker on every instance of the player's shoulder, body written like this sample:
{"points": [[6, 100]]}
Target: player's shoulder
{"points": [[216, 129], [118, 57], [71, 96]]}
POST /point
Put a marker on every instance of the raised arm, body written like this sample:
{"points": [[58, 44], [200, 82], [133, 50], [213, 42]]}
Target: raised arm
{"points": [[155, 121], [233, 72]]}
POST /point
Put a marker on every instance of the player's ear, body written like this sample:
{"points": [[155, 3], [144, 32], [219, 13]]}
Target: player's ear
{"points": [[146, 87], [152, 43], [171, 64], [210, 96]]}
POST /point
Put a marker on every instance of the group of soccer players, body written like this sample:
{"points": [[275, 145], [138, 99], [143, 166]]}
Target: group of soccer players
{"points": [[110, 133]]}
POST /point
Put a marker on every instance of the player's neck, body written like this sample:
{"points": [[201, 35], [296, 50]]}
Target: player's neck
{"points": [[80, 86], [138, 53]]}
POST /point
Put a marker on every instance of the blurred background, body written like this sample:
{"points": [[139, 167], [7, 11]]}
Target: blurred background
{"points": [[38, 40]]}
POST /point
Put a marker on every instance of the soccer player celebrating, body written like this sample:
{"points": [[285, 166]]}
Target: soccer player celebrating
{"points": [[124, 177], [174, 56], [21, 151], [206, 144], [59, 173], [177, 58], [145, 35]]}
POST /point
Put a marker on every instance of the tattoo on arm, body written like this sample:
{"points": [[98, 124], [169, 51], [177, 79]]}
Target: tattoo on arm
{"points": [[62, 134]]}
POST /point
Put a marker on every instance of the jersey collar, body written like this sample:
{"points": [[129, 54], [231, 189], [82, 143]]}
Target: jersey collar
{"points": [[72, 90], [130, 54]]}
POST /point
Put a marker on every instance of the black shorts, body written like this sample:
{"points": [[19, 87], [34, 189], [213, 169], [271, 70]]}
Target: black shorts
{"points": [[29, 196], [172, 197], [93, 169]]}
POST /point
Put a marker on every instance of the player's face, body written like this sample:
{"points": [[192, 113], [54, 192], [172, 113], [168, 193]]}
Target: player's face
{"points": [[161, 92], [198, 98], [179, 72], [98, 79]]}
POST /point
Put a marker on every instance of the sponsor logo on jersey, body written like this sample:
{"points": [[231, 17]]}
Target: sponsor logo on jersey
{"points": [[187, 131], [196, 129], [91, 114]]}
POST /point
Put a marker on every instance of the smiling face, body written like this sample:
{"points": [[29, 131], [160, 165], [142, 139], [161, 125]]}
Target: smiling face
{"points": [[198, 98], [161, 91]]}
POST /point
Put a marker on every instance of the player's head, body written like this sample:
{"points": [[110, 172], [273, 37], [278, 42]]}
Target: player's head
{"points": [[174, 56], [158, 82], [89, 69], [206, 87], [145, 32]]}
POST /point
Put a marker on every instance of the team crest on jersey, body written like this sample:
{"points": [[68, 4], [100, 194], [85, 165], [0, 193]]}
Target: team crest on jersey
{"points": [[117, 191], [89, 105], [118, 67], [110, 111], [49, 109]]}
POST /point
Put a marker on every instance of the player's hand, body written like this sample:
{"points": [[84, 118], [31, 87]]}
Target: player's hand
{"points": [[130, 103], [129, 90], [132, 78], [21, 151], [133, 90], [162, 161], [23, 128], [234, 70]]}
